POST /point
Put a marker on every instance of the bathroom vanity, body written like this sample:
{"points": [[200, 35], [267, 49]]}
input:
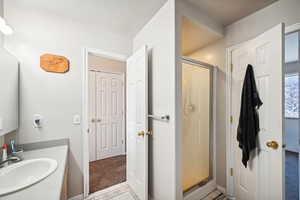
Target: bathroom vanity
{"points": [[52, 187]]}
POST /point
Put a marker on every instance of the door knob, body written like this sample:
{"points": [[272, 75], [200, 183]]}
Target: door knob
{"points": [[150, 133], [98, 120], [93, 120], [142, 133], [272, 144]]}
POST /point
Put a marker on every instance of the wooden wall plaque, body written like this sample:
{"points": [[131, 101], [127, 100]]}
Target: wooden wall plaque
{"points": [[54, 63]]}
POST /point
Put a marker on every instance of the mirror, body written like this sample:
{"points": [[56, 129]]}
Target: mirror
{"points": [[9, 92]]}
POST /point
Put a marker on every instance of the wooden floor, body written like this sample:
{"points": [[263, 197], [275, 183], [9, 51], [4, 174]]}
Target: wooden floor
{"points": [[107, 172]]}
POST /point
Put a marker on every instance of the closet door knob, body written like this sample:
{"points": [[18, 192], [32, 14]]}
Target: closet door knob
{"points": [[93, 120], [98, 120]]}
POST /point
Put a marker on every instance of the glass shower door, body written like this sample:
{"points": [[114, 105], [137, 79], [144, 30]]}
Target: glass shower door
{"points": [[197, 136]]}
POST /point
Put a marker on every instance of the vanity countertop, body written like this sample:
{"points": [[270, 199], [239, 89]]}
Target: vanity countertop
{"points": [[50, 187]]}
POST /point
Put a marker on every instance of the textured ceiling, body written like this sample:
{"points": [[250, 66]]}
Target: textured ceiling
{"points": [[125, 17], [229, 11]]}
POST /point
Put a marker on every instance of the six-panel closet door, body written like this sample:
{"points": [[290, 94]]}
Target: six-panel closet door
{"points": [[106, 137]]}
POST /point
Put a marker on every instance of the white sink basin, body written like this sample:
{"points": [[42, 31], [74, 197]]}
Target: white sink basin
{"points": [[25, 173]]}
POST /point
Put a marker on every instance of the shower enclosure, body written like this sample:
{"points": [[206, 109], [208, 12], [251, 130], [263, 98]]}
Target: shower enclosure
{"points": [[198, 140]]}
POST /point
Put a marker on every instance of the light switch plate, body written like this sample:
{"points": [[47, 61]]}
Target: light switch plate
{"points": [[76, 119]]}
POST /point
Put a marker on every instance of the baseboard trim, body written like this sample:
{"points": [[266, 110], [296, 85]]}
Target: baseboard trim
{"points": [[221, 189], [78, 197]]}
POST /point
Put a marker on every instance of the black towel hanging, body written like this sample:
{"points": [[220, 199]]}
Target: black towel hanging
{"points": [[248, 127]]}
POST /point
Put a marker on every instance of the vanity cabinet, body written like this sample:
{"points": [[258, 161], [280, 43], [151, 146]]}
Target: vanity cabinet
{"points": [[64, 191], [9, 92]]}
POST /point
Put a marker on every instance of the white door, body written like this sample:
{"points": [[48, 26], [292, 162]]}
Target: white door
{"points": [[264, 177], [109, 119], [137, 123], [92, 116]]}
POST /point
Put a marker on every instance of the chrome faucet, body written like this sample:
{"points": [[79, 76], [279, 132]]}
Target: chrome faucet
{"points": [[12, 159]]}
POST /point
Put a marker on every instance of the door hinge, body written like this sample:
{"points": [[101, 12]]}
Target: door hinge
{"points": [[231, 171], [231, 67], [231, 119]]}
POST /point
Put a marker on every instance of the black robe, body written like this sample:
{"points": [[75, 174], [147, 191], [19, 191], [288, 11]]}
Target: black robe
{"points": [[248, 127]]}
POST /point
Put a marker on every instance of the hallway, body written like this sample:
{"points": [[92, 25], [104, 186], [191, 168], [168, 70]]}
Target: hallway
{"points": [[107, 172]]}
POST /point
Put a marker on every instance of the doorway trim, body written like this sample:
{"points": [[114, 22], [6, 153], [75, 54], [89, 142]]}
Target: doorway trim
{"points": [[229, 149], [84, 107]]}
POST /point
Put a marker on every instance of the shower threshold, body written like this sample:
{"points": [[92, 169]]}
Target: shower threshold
{"points": [[200, 190], [196, 186]]}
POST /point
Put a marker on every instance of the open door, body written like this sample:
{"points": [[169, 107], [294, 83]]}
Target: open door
{"points": [[137, 122], [264, 177]]}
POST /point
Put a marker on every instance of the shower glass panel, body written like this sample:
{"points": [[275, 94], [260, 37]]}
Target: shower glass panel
{"points": [[197, 138]]}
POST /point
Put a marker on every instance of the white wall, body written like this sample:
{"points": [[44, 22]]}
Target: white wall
{"points": [[215, 55], [199, 16], [1, 14], [106, 64], [159, 35], [1, 36], [57, 97], [286, 11]]}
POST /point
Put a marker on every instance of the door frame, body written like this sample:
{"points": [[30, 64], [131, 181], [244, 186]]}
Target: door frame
{"points": [[229, 149], [84, 107]]}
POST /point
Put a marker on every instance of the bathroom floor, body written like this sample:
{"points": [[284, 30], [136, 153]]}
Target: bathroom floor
{"points": [[107, 172], [215, 195], [117, 192], [123, 192]]}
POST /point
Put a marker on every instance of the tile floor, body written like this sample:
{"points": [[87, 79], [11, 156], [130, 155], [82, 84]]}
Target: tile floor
{"points": [[123, 192], [215, 195], [117, 192]]}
